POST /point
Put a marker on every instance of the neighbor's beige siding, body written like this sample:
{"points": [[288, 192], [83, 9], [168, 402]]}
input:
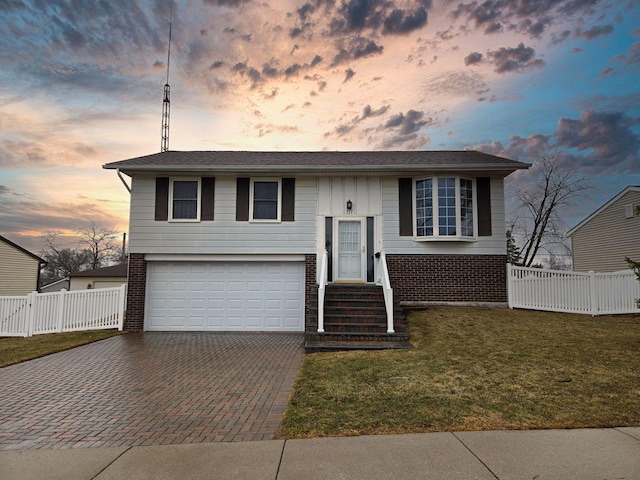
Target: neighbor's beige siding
{"points": [[602, 243], [81, 283], [18, 271]]}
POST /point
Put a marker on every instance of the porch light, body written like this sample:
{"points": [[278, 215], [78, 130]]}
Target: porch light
{"points": [[349, 205]]}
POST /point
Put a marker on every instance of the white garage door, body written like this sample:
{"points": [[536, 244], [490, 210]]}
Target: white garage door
{"points": [[219, 296]]}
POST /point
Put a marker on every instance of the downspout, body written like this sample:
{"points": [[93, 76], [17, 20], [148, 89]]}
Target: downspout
{"points": [[126, 295], [123, 181]]}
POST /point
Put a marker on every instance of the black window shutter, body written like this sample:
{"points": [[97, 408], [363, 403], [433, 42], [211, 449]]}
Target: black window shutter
{"points": [[288, 199], [405, 200], [162, 199], [370, 253], [208, 193], [242, 200], [328, 241], [483, 184]]}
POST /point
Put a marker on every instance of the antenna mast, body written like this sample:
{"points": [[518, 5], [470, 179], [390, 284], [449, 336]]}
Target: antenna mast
{"points": [[166, 102]]}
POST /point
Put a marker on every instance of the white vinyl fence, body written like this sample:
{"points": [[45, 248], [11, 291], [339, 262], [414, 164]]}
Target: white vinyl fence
{"points": [[62, 311], [559, 291]]}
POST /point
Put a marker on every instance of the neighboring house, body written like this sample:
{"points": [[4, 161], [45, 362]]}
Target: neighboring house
{"points": [[55, 286], [106, 277], [19, 269], [602, 240], [229, 241]]}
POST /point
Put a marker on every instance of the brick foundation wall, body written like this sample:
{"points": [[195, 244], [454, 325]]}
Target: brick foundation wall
{"points": [[448, 278], [310, 294], [134, 319]]}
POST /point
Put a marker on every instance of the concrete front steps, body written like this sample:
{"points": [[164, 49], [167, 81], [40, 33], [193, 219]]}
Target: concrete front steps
{"points": [[355, 319]]}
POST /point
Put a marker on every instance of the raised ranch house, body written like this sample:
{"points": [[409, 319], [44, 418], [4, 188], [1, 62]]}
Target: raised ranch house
{"points": [[602, 240], [19, 269], [330, 243]]}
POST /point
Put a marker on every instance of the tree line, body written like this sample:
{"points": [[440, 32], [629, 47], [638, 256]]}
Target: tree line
{"points": [[97, 246]]}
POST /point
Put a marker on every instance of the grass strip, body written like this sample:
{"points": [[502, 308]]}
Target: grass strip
{"points": [[19, 349], [475, 369]]}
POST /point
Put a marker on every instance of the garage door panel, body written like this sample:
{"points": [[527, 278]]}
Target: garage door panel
{"points": [[234, 296], [254, 322], [273, 304], [274, 322], [254, 304], [255, 286], [195, 322], [291, 304], [234, 322], [290, 322], [215, 304], [274, 287], [292, 287], [235, 304], [215, 323]]}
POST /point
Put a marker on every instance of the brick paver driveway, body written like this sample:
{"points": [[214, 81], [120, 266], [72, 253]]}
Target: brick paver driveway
{"points": [[151, 389]]}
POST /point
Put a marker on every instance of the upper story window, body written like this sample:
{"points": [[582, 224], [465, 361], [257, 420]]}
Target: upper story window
{"points": [[184, 195], [265, 201], [444, 208]]}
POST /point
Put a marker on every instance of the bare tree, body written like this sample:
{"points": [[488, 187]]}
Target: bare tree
{"points": [[97, 248], [100, 242], [540, 204], [61, 262]]}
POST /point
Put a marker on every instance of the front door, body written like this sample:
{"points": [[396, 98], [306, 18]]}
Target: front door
{"points": [[350, 251]]}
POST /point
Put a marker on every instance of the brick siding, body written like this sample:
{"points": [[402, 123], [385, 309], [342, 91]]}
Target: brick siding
{"points": [[448, 278], [310, 294], [134, 319]]}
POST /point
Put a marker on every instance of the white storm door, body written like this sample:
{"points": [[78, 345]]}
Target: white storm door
{"points": [[350, 250]]}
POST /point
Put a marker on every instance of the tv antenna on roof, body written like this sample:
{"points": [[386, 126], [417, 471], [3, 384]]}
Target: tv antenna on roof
{"points": [[166, 102]]}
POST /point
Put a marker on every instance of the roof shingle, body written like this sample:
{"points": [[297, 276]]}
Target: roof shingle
{"points": [[227, 161]]}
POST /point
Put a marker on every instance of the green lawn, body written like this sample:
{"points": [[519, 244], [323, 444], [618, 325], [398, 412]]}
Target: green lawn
{"points": [[18, 349], [476, 369]]}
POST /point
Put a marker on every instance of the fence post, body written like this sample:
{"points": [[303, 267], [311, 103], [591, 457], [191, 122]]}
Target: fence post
{"points": [[61, 309], [31, 312], [509, 288], [593, 292], [123, 298]]}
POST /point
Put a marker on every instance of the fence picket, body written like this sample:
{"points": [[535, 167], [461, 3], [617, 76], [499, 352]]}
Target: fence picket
{"points": [[573, 292], [62, 311]]}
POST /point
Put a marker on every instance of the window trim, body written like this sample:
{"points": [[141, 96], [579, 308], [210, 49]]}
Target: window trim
{"points": [[436, 237], [172, 180], [252, 182]]}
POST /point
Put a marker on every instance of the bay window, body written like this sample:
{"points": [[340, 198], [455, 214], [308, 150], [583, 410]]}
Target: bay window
{"points": [[444, 208]]}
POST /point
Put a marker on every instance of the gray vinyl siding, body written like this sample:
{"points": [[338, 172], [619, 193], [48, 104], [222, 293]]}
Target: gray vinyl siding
{"points": [[602, 243], [395, 244], [18, 271], [224, 235]]}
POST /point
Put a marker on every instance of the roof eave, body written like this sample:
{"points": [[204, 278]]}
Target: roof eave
{"points": [[310, 169]]}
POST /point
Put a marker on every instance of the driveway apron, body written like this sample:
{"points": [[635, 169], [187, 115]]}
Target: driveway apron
{"points": [[151, 389]]}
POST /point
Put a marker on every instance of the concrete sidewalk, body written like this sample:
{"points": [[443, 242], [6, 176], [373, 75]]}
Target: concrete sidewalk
{"points": [[534, 454]]}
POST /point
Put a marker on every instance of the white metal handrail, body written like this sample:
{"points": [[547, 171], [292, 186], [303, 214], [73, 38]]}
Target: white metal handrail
{"points": [[322, 283], [383, 280]]}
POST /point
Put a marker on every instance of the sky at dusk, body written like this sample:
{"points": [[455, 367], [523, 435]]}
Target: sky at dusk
{"points": [[81, 85]]}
